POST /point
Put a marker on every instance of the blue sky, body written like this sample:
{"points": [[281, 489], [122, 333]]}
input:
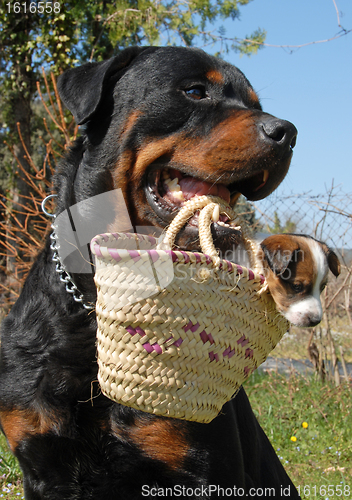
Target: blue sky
{"points": [[312, 86]]}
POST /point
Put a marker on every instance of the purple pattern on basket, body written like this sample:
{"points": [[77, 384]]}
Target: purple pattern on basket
{"points": [[133, 331], [152, 347], [177, 342], [147, 345], [114, 254], [206, 337], [198, 257], [247, 371], [213, 356], [173, 255], [185, 256], [191, 326], [154, 255], [224, 263], [228, 352], [242, 341], [249, 353], [134, 254], [208, 259], [96, 248]]}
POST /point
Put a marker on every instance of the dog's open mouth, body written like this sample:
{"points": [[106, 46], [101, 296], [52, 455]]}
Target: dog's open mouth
{"points": [[167, 190]]}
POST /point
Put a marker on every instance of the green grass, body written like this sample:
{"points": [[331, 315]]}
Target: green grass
{"points": [[318, 458], [10, 474], [315, 456]]}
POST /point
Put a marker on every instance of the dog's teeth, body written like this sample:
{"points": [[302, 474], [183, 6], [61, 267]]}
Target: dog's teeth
{"points": [[225, 224], [178, 195], [216, 213], [173, 184], [165, 175], [174, 187], [238, 228]]}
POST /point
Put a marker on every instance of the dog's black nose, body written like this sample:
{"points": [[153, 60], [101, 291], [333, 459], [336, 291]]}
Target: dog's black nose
{"points": [[313, 321], [280, 132]]}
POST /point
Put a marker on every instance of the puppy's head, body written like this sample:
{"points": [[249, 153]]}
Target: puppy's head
{"points": [[296, 269]]}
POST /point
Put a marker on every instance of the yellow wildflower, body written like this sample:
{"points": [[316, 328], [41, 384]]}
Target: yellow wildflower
{"points": [[293, 438], [305, 425]]}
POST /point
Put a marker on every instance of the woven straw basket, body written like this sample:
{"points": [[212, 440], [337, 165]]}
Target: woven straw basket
{"points": [[179, 332]]}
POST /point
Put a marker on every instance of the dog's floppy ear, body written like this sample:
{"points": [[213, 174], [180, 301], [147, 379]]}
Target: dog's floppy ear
{"points": [[81, 89], [278, 251], [333, 262]]}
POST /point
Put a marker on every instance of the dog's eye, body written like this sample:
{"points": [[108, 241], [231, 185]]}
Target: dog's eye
{"points": [[297, 287], [196, 93]]}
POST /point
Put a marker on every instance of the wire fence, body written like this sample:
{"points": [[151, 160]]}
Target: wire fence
{"points": [[327, 217]]}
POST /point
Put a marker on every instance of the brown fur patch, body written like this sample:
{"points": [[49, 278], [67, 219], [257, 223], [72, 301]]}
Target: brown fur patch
{"points": [[215, 76], [131, 121], [253, 96], [20, 424], [161, 440], [223, 152], [230, 143]]}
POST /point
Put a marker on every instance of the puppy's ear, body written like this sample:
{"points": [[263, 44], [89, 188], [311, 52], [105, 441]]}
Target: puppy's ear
{"points": [[333, 262], [278, 251], [82, 89]]}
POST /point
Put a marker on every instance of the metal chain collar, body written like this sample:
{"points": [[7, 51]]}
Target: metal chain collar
{"points": [[64, 275]]}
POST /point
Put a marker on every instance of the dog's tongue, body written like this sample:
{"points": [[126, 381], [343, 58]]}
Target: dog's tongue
{"points": [[194, 187]]}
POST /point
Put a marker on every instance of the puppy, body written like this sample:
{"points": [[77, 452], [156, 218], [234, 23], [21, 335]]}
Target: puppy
{"points": [[296, 269]]}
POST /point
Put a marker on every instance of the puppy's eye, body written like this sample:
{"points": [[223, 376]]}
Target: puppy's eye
{"points": [[198, 92], [297, 287]]}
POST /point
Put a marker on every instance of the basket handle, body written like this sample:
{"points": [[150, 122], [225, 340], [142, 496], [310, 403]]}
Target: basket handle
{"points": [[210, 208]]}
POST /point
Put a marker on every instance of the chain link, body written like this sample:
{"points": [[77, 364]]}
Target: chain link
{"points": [[64, 275]]}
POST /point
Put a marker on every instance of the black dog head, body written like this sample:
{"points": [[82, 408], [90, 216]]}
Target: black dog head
{"points": [[158, 115]]}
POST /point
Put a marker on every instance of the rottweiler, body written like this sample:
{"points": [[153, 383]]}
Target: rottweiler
{"points": [[161, 124]]}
